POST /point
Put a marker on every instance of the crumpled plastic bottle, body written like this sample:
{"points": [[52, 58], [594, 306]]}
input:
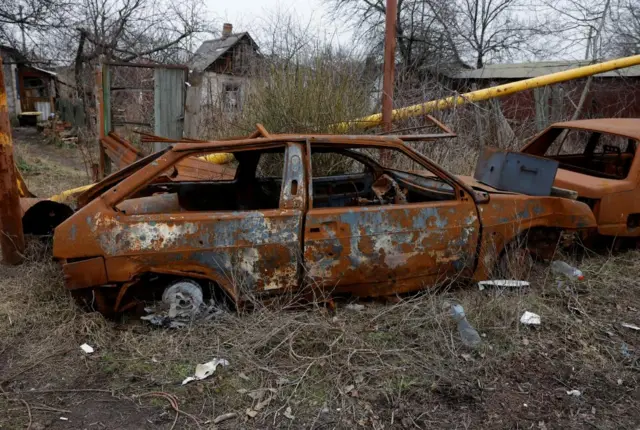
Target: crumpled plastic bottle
{"points": [[562, 268], [468, 334]]}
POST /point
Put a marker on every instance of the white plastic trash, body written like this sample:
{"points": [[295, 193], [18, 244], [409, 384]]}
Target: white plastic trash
{"points": [[205, 370], [562, 268], [86, 348], [503, 283], [529, 318]]}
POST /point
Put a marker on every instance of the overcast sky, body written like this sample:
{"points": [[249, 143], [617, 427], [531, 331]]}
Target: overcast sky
{"points": [[250, 15]]}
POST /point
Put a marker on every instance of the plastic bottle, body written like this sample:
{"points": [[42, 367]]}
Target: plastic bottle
{"points": [[468, 334], [562, 268]]}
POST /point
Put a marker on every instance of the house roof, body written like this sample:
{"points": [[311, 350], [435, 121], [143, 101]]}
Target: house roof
{"points": [[48, 72], [12, 52], [211, 50], [532, 70]]}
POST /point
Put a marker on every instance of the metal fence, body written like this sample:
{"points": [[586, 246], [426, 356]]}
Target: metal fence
{"points": [[71, 111]]}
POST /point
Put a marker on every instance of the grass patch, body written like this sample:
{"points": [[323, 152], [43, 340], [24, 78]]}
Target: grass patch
{"points": [[388, 364]]}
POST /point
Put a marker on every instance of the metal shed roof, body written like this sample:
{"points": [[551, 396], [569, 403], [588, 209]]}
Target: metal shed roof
{"points": [[532, 70], [211, 50]]}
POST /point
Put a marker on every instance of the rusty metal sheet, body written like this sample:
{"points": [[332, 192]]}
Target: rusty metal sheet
{"points": [[121, 152], [194, 169], [409, 244], [163, 203], [84, 274], [629, 127]]}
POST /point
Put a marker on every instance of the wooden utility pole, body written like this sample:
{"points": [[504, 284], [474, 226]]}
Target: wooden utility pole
{"points": [[389, 63], [11, 235]]}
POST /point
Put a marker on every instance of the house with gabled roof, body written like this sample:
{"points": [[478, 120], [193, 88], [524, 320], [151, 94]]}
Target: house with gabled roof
{"points": [[219, 76]]}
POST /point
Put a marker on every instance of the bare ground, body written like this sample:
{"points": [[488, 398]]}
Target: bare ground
{"points": [[394, 365]]}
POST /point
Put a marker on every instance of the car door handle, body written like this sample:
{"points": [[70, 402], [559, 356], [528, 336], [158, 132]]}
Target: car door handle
{"points": [[324, 225]]}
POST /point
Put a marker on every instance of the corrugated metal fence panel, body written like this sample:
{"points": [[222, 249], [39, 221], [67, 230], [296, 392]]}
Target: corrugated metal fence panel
{"points": [[44, 108], [70, 111], [169, 97]]}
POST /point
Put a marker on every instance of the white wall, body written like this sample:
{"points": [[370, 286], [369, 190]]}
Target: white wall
{"points": [[13, 102], [205, 102]]}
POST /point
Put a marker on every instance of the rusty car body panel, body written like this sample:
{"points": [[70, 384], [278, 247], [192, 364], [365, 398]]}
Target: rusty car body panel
{"points": [[607, 179], [369, 230]]}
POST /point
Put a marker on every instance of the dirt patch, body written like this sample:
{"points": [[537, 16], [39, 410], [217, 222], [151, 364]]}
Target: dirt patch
{"points": [[46, 167]]}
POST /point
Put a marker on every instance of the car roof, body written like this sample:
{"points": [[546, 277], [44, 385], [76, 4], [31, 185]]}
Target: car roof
{"points": [[629, 127], [338, 140]]}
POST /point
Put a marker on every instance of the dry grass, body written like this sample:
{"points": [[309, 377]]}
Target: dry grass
{"points": [[392, 366], [48, 168]]}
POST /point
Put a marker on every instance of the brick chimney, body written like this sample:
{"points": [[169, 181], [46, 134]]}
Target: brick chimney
{"points": [[226, 30]]}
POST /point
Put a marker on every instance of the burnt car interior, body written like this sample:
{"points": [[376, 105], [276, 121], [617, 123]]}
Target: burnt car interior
{"points": [[348, 177], [590, 152], [341, 178]]}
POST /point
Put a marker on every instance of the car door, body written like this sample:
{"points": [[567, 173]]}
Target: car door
{"points": [[391, 248], [246, 251]]}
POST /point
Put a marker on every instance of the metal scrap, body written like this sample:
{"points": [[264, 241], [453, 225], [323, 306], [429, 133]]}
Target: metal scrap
{"points": [[381, 232]]}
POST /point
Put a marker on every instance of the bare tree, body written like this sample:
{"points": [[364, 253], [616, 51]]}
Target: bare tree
{"points": [[24, 21], [421, 38], [461, 32], [492, 29], [625, 29]]}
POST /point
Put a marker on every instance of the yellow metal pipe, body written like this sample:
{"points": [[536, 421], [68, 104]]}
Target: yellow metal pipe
{"points": [[445, 103], [489, 93], [69, 193], [218, 158]]}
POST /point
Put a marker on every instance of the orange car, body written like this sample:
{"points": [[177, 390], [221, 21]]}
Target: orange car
{"points": [[302, 213], [598, 159]]}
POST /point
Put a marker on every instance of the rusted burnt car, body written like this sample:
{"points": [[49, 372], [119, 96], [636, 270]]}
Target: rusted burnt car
{"points": [[598, 159], [302, 213]]}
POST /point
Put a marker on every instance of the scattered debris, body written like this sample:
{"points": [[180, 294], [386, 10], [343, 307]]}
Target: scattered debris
{"points": [[261, 405], [354, 307], [287, 413], [252, 413], [224, 417], [243, 376], [502, 283], [64, 419], [631, 326], [86, 348], [205, 370], [562, 268], [257, 394], [182, 303], [468, 334], [624, 350], [529, 318], [619, 381], [574, 393]]}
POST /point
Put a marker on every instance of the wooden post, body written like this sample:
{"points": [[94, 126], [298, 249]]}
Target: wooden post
{"points": [[104, 164], [11, 235], [389, 69], [389, 64]]}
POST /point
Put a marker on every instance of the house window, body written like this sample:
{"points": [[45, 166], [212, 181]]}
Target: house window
{"points": [[231, 97]]}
